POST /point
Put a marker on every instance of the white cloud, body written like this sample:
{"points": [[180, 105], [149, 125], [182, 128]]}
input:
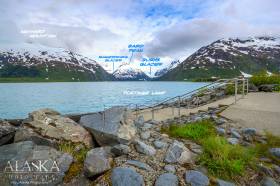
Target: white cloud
{"points": [[170, 29]]}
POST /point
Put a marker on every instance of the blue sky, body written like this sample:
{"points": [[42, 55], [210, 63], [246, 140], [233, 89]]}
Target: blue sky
{"points": [[170, 29]]}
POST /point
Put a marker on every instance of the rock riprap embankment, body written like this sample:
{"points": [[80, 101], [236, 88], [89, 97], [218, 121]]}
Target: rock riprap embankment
{"points": [[127, 152]]}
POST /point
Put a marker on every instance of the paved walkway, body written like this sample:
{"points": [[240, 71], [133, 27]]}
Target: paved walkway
{"points": [[258, 110]]}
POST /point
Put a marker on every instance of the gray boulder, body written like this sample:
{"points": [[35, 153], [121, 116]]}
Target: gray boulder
{"points": [[7, 132], [27, 134], [220, 121], [170, 168], [120, 149], [220, 131], [139, 122], [167, 179], [146, 126], [52, 125], [196, 178], [234, 133], [178, 153], [145, 135], [275, 152], [139, 164], [111, 127], [233, 141], [267, 87], [126, 176], [224, 183], [28, 158], [97, 161], [143, 148], [268, 181], [249, 131], [159, 144]]}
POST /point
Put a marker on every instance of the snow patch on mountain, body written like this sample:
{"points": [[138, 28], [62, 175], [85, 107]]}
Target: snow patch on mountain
{"points": [[127, 72], [29, 54], [171, 66]]}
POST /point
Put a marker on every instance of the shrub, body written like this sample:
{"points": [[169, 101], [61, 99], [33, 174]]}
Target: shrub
{"points": [[263, 78]]}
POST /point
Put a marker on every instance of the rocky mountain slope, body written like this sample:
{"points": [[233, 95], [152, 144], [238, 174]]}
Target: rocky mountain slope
{"points": [[127, 73], [226, 58], [163, 71], [48, 64]]}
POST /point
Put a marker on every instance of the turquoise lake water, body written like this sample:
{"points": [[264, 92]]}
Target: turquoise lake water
{"points": [[19, 99]]}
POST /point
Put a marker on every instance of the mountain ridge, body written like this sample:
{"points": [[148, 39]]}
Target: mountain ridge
{"points": [[228, 58]]}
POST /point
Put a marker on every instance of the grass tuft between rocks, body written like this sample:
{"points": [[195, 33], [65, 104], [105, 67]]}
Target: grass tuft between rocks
{"points": [[221, 159], [79, 156], [194, 131]]}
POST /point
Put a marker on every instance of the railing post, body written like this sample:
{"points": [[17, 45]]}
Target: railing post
{"points": [[247, 85], [103, 115], [243, 87], [179, 112], [136, 109], [235, 91]]}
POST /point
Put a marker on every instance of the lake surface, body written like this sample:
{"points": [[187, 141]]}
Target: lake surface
{"points": [[19, 99]]}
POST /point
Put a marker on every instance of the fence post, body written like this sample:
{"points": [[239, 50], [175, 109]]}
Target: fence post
{"points": [[103, 115], [179, 112], [235, 92], [243, 87], [247, 85], [136, 110]]}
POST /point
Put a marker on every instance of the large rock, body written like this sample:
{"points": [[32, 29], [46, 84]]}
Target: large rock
{"points": [[139, 164], [196, 178], [27, 134], [7, 132], [111, 127], [51, 124], [275, 152], [22, 161], [126, 176], [267, 87], [224, 183], [120, 149], [97, 161], [268, 181], [167, 179], [143, 148], [178, 153]]}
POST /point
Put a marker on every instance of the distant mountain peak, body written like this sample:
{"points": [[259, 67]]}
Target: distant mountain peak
{"points": [[127, 72]]}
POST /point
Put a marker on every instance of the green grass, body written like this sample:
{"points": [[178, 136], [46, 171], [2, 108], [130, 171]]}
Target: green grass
{"points": [[221, 159], [77, 166], [194, 131], [224, 160], [263, 149]]}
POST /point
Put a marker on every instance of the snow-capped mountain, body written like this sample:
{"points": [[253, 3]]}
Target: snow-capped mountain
{"points": [[126, 72], [163, 71], [230, 58], [16, 60]]}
